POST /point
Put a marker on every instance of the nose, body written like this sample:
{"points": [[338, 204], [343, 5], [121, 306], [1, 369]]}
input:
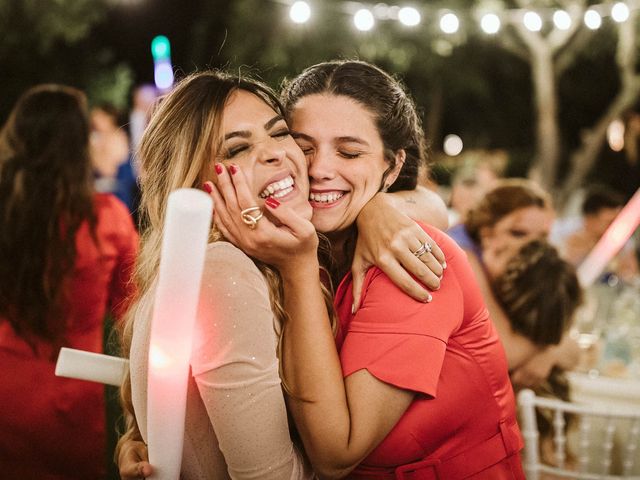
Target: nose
{"points": [[321, 165], [271, 152]]}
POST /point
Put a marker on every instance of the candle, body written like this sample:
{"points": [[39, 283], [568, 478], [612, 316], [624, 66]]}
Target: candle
{"points": [[611, 241], [94, 367], [186, 230]]}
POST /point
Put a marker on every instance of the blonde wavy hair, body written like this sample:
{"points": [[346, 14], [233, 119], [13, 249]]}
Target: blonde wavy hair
{"points": [[177, 151]]}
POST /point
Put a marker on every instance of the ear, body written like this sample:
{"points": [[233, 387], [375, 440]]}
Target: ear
{"points": [[401, 156]]}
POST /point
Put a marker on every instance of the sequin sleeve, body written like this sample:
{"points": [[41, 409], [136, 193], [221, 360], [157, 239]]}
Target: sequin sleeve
{"points": [[235, 367]]}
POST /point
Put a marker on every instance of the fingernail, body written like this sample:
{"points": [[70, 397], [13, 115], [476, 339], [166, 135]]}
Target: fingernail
{"points": [[428, 299], [206, 187], [444, 264], [233, 169], [272, 202], [353, 309], [219, 168]]}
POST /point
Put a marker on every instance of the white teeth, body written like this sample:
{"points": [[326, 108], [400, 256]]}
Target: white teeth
{"points": [[325, 197], [276, 189]]}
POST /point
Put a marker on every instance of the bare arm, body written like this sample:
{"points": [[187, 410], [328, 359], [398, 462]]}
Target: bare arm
{"points": [[388, 236], [517, 347], [423, 205], [340, 422]]}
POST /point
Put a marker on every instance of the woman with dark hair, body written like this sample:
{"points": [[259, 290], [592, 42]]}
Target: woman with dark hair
{"points": [[413, 390], [236, 420], [66, 255]]}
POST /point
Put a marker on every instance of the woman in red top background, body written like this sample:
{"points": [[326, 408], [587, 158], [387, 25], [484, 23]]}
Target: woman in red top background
{"points": [[66, 255]]}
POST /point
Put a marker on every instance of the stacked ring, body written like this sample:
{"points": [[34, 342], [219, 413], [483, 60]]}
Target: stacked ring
{"points": [[424, 248]]}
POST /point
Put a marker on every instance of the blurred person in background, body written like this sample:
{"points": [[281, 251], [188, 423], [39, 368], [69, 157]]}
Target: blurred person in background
{"points": [[600, 207], [510, 215], [66, 255], [111, 156], [477, 175], [143, 100]]}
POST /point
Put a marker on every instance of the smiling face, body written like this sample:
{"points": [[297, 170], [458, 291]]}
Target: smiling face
{"points": [[257, 139], [344, 152], [510, 233]]}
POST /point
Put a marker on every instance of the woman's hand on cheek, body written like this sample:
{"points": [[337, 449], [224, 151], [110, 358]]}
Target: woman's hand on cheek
{"points": [[280, 236]]}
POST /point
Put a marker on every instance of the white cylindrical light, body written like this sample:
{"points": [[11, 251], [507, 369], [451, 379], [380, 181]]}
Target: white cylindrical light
{"points": [[363, 20], [409, 16], [490, 23], [184, 243], [620, 12], [592, 19], [449, 23], [452, 145], [532, 21], [300, 12], [562, 20]]}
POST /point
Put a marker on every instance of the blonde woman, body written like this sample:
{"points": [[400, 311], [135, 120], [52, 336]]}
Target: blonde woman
{"points": [[236, 422]]}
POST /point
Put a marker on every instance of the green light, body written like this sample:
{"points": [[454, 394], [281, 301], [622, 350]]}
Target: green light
{"points": [[160, 48]]}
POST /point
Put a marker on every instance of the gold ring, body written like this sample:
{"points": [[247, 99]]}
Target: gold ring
{"points": [[250, 219]]}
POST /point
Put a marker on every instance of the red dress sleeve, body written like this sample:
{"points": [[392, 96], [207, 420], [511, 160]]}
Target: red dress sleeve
{"points": [[399, 340]]}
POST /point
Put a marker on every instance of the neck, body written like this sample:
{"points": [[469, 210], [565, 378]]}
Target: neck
{"points": [[342, 246]]}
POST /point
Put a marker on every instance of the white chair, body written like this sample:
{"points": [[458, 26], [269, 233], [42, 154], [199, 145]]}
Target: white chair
{"points": [[606, 440]]}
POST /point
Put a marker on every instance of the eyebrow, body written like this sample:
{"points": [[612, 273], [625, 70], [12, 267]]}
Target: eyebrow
{"points": [[346, 139], [247, 133]]}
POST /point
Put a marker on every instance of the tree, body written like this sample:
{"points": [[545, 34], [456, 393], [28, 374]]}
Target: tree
{"points": [[550, 54], [46, 41]]}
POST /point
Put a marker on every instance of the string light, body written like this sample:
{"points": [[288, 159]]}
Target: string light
{"points": [[532, 21], [562, 20], [449, 23], [363, 20], [620, 12], [409, 16], [300, 12], [490, 23], [592, 19], [365, 15]]}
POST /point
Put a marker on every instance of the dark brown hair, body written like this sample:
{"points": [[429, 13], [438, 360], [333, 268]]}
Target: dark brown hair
{"points": [[385, 97], [506, 197], [46, 193], [539, 292]]}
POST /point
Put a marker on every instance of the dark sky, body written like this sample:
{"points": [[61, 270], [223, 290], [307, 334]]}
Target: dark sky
{"points": [[130, 27]]}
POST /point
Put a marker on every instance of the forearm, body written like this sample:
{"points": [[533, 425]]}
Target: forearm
{"points": [[313, 374], [422, 205]]}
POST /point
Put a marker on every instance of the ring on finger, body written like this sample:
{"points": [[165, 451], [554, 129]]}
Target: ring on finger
{"points": [[249, 219], [424, 248]]}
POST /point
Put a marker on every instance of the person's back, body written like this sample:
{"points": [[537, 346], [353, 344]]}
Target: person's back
{"points": [[58, 279], [465, 414]]}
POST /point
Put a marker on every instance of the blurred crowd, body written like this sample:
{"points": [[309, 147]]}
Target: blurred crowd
{"points": [[69, 193]]}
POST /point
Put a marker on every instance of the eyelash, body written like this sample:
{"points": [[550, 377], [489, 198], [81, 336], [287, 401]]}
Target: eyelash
{"points": [[232, 152], [349, 156]]}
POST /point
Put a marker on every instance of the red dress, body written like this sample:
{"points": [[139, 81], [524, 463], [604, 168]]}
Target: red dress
{"points": [[54, 428], [462, 422]]}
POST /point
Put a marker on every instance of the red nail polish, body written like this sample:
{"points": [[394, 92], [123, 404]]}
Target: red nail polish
{"points": [[206, 187], [272, 202], [219, 168], [233, 169]]}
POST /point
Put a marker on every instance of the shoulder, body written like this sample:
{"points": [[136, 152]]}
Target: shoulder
{"points": [[229, 267], [112, 214]]}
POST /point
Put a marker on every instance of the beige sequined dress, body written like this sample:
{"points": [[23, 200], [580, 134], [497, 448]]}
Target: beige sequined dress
{"points": [[236, 422]]}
